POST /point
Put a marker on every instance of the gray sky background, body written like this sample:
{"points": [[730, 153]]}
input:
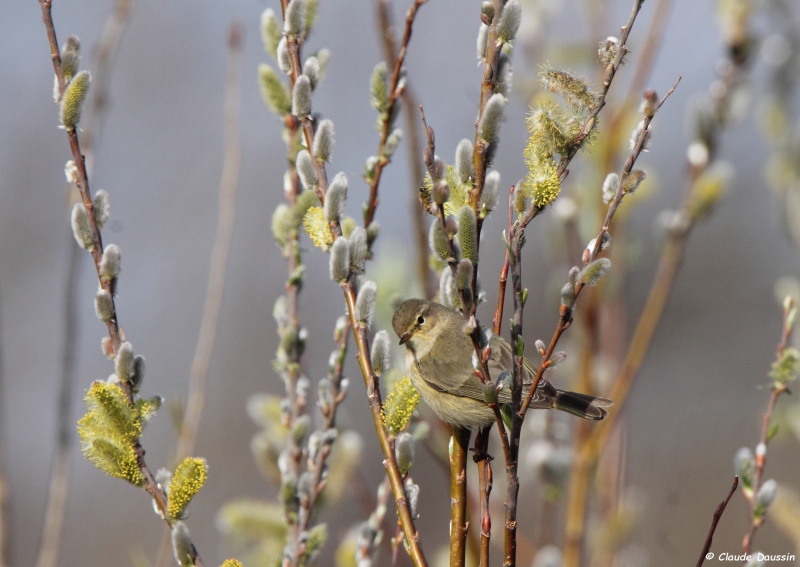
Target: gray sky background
{"points": [[160, 159]]}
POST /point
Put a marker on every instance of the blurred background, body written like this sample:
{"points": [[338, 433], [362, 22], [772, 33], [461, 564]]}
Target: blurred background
{"points": [[699, 395]]}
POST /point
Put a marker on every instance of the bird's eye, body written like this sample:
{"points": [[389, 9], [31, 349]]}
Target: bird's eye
{"points": [[420, 320]]}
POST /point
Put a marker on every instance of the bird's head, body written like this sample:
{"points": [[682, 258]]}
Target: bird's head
{"points": [[415, 322]]}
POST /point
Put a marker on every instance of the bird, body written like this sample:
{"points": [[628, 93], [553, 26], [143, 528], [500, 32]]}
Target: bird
{"points": [[439, 357]]}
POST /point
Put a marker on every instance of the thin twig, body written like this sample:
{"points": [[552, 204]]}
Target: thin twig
{"points": [[395, 91], [717, 515], [594, 111], [212, 309], [565, 318], [415, 167], [778, 388], [59, 475]]}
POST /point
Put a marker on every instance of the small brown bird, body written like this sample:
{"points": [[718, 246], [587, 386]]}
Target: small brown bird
{"points": [[439, 360]]}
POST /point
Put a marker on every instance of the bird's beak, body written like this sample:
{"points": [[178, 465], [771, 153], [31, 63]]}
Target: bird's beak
{"points": [[404, 338]]}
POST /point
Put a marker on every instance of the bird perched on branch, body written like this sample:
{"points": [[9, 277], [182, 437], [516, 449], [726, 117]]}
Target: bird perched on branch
{"points": [[439, 357]]}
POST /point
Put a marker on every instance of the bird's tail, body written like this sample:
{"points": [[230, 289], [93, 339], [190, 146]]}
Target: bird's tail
{"points": [[582, 405]]}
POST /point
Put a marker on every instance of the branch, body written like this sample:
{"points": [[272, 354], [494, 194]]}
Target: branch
{"points": [[220, 252], [458, 496], [778, 388], [395, 92], [565, 318], [717, 515], [610, 72], [415, 167], [390, 461], [151, 486]]}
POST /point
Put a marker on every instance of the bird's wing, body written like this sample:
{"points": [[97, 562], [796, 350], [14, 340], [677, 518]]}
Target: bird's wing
{"points": [[502, 359], [469, 385]]}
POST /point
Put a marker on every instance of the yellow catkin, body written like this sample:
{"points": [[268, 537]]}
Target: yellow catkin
{"points": [[399, 406], [189, 478], [317, 228]]}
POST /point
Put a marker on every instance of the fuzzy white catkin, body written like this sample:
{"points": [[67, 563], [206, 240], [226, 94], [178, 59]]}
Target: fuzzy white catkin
{"points": [[335, 198], [404, 451], [81, 228], [381, 355], [306, 171], [283, 57], [109, 263], [464, 274], [610, 187], [311, 70], [323, 141], [104, 305], [301, 97], [464, 166], [392, 142], [182, 543], [102, 208], [595, 270], [492, 117], [365, 302], [295, 22], [123, 363], [491, 191], [483, 39], [358, 248], [340, 260], [508, 26]]}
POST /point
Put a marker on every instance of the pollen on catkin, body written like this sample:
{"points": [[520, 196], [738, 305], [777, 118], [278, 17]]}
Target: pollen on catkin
{"points": [[107, 431], [398, 407], [573, 89], [188, 479], [542, 183], [318, 228], [72, 101]]}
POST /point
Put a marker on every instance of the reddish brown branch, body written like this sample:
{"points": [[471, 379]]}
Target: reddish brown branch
{"points": [[717, 515], [395, 92]]}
